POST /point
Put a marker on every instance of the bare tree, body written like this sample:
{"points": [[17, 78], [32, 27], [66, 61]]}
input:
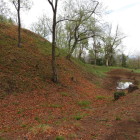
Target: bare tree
{"points": [[18, 4], [42, 26], [111, 42], [96, 29]]}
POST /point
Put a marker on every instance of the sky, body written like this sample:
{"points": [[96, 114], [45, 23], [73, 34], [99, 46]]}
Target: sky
{"points": [[124, 13]]}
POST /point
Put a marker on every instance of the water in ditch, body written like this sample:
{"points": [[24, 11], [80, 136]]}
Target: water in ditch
{"points": [[123, 85]]}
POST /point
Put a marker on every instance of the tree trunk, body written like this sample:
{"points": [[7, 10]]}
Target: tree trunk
{"points": [[71, 51], [19, 25], [80, 52], [95, 52], [107, 62], [95, 61], [80, 55], [111, 60], [54, 68]]}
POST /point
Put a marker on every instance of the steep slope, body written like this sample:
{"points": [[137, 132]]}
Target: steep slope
{"points": [[22, 69]]}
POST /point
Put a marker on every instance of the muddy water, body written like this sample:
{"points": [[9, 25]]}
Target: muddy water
{"points": [[123, 85]]}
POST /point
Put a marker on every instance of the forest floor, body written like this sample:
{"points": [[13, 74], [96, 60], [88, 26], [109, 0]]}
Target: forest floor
{"points": [[80, 107], [73, 112]]}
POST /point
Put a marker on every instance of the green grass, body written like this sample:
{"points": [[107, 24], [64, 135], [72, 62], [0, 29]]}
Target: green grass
{"points": [[3, 95], [100, 97], [84, 103], [23, 125], [137, 70], [64, 93], [21, 111], [2, 138], [15, 103], [43, 46], [38, 119], [99, 71], [79, 116], [72, 136], [55, 105]]}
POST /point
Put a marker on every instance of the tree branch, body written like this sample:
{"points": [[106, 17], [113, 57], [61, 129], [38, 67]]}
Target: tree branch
{"points": [[86, 38], [14, 3], [66, 19], [51, 3]]}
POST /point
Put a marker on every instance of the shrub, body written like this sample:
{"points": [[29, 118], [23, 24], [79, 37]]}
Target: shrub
{"points": [[118, 118], [60, 138], [118, 94], [78, 117]]}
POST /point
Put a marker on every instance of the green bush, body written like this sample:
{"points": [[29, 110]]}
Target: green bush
{"points": [[118, 94], [79, 117], [60, 138]]}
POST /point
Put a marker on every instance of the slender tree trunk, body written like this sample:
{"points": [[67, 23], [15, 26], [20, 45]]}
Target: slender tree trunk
{"points": [[69, 45], [54, 68], [94, 48], [71, 51], [111, 60], [80, 52], [19, 25]]}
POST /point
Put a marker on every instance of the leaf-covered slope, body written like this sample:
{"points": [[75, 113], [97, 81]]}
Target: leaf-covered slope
{"points": [[22, 69], [28, 68]]}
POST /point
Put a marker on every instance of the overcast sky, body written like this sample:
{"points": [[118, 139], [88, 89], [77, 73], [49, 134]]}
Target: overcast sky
{"points": [[124, 13]]}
